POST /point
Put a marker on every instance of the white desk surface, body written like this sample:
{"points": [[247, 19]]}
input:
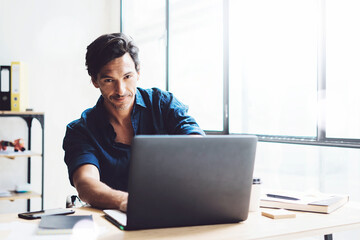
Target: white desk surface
{"points": [[255, 227]]}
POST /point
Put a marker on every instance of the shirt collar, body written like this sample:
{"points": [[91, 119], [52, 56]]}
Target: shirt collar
{"points": [[101, 113], [139, 99]]}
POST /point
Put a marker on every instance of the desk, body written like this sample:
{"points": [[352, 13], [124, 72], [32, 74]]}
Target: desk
{"points": [[255, 227]]}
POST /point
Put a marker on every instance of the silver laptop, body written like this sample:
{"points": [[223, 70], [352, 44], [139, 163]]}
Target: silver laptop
{"points": [[187, 180]]}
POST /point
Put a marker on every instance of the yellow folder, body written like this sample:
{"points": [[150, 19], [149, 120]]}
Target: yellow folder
{"points": [[19, 87]]}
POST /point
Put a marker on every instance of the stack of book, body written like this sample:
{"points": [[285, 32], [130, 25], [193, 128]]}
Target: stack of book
{"points": [[309, 202]]}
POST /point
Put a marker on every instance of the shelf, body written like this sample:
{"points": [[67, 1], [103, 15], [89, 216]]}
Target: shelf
{"points": [[28, 116], [13, 155], [26, 195], [20, 113]]}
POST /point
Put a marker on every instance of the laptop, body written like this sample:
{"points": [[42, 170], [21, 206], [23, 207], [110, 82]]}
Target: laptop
{"points": [[187, 180]]}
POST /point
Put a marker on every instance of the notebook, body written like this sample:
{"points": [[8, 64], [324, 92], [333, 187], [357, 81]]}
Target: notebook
{"points": [[187, 180], [61, 224]]}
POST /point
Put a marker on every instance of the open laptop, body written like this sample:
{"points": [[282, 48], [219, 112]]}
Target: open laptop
{"points": [[187, 180]]}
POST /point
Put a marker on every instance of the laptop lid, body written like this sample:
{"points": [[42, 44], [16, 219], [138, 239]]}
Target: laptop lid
{"points": [[189, 180]]}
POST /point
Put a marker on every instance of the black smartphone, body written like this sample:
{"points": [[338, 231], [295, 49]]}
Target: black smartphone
{"points": [[47, 212]]}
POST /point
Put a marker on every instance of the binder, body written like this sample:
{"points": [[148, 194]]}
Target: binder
{"points": [[19, 88], [5, 88]]}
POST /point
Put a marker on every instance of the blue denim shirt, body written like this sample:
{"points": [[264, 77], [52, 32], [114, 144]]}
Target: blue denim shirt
{"points": [[91, 139]]}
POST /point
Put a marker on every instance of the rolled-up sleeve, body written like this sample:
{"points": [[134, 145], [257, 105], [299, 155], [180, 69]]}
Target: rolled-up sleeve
{"points": [[78, 150], [177, 119]]}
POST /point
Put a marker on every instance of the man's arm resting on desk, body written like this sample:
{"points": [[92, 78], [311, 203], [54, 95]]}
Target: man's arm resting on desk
{"points": [[91, 190]]}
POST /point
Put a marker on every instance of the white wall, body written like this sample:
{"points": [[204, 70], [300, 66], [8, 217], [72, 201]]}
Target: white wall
{"points": [[51, 38]]}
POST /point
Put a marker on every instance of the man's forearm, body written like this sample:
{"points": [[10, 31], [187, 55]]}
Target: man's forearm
{"points": [[99, 195]]}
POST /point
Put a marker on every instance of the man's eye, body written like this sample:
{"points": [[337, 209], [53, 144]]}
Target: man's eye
{"points": [[127, 76], [108, 80]]}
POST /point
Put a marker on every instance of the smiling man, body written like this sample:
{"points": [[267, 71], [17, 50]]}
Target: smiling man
{"points": [[97, 146]]}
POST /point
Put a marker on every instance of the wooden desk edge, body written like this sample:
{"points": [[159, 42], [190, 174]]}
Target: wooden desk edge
{"points": [[227, 231]]}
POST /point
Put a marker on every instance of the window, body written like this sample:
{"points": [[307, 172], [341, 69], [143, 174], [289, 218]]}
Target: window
{"points": [[196, 60], [145, 22], [285, 69], [342, 68], [273, 67]]}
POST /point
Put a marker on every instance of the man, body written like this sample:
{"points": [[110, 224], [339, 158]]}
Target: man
{"points": [[97, 146]]}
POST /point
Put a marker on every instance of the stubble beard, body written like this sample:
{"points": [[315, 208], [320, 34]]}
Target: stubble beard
{"points": [[122, 106]]}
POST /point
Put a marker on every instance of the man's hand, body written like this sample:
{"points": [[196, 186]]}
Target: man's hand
{"points": [[96, 193], [123, 204]]}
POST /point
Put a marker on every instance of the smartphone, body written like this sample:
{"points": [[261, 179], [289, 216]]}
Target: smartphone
{"points": [[47, 212]]}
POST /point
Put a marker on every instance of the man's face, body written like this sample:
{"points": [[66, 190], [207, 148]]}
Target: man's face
{"points": [[117, 81]]}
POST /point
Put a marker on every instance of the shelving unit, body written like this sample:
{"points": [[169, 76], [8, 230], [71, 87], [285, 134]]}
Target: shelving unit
{"points": [[28, 116]]}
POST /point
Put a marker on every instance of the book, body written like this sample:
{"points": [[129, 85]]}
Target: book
{"points": [[277, 213], [62, 224], [5, 88], [308, 202], [19, 86]]}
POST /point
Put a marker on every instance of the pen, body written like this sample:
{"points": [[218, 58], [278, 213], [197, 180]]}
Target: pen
{"points": [[281, 197]]}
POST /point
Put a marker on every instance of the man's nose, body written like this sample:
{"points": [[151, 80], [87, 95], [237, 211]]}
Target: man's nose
{"points": [[120, 87]]}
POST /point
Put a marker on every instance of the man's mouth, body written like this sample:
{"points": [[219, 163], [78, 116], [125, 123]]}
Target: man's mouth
{"points": [[120, 97]]}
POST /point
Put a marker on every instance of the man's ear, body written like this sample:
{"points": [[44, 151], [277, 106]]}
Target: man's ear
{"points": [[138, 77], [95, 82]]}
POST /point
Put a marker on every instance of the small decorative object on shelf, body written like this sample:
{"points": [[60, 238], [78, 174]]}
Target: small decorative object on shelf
{"points": [[17, 144], [23, 188]]}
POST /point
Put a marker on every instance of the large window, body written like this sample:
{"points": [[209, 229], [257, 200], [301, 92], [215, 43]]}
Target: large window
{"points": [[285, 70]]}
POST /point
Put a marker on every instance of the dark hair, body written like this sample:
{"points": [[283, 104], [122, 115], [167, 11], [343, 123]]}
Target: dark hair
{"points": [[108, 47]]}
